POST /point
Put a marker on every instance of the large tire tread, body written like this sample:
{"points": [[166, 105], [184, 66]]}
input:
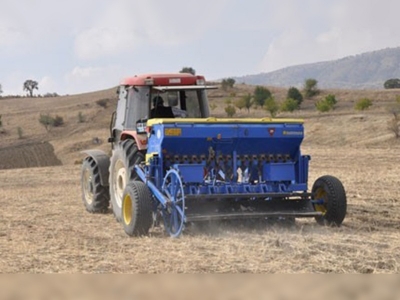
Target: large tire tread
{"points": [[128, 152], [101, 196], [142, 217], [337, 202]]}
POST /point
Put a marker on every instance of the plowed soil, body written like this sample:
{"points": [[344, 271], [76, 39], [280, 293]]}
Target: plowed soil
{"points": [[39, 154]]}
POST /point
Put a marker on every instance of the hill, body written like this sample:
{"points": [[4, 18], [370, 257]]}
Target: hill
{"points": [[364, 71], [74, 136]]}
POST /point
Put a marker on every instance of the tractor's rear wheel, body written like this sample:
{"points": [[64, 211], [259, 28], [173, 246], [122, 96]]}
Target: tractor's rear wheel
{"points": [[95, 197], [122, 171], [329, 198], [137, 214]]}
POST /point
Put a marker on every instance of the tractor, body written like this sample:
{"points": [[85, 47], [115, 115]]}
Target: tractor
{"points": [[173, 164]]}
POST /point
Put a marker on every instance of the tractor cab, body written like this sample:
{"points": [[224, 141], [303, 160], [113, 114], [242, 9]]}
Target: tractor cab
{"points": [[146, 97]]}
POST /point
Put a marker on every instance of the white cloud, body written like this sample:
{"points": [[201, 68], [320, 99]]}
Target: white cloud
{"points": [[122, 26], [47, 85], [330, 31], [10, 37], [92, 78], [98, 42]]}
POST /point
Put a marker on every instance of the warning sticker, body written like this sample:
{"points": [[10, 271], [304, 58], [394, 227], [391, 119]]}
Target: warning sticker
{"points": [[173, 131]]}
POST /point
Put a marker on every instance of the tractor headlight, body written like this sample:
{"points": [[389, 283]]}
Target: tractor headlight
{"points": [[200, 82]]}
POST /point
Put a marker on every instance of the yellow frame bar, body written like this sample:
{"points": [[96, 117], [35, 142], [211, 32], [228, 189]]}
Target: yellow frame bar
{"points": [[211, 120]]}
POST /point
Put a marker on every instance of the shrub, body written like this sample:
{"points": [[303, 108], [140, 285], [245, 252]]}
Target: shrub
{"points": [[331, 100], [363, 104], [81, 118], [289, 105], [48, 95], [271, 106], [102, 102], [58, 121], [323, 106], [47, 121], [20, 133], [1, 122], [294, 93], [230, 111], [326, 104]]}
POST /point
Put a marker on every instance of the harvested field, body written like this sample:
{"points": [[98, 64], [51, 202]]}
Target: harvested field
{"points": [[45, 228]]}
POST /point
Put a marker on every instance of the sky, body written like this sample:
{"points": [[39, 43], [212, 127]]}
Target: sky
{"points": [[78, 46]]}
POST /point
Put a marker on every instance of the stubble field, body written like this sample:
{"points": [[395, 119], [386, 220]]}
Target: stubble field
{"points": [[44, 227]]}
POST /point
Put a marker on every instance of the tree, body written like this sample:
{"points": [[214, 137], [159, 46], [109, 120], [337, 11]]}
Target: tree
{"points": [[227, 83], [310, 88], [294, 93], [189, 70], [260, 95], [30, 85], [248, 101], [230, 111], [393, 83], [240, 103], [271, 106], [290, 105], [1, 90]]}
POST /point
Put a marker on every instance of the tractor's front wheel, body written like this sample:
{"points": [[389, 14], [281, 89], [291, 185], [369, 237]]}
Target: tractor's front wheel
{"points": [[122, 171], [329, 198], [95, 197], [137, 214]]}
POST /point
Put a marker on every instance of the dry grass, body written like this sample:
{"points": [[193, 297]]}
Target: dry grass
{"points": [[45, 228]]}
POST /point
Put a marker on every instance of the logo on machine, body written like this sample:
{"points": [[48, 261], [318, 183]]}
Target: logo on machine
{"points": [[292, 132], [271, 131], [173, 131]]}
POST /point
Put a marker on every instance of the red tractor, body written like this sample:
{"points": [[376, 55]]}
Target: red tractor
{"points": [[140, 98]]}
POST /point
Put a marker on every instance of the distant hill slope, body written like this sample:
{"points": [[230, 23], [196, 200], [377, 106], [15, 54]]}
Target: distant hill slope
{"points": [[364, 71]]}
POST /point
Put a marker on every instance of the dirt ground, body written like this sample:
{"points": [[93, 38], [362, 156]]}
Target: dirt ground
{"points": [[35, 154], [45, 228]]}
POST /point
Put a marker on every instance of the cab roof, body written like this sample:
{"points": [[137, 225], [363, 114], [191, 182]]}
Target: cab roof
{"points": [[169, 79]]}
